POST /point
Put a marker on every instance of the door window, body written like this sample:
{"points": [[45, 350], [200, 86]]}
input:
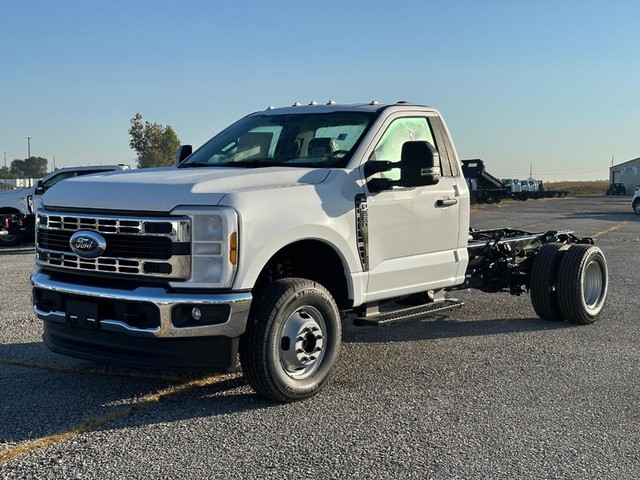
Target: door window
{"points": [[402, 130]]}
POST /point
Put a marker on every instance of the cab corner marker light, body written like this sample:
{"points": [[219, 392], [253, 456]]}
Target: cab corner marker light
{"points": [[233, 248]]}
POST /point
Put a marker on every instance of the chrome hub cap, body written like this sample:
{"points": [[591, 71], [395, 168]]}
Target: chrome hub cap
{"points": [[592, 285]]}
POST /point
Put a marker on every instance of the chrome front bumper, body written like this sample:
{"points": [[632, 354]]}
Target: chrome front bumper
{"points": [[233, 327]]}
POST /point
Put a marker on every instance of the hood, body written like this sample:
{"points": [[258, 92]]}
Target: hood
{"points": [[162, 189], [19, 192], [16, 199]]}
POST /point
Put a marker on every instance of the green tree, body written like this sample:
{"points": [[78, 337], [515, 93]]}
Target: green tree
{"points": [[154, 144], [5, 172], [36, 166]]}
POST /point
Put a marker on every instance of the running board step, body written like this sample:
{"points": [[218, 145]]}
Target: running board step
{"points": [[394, 316]]}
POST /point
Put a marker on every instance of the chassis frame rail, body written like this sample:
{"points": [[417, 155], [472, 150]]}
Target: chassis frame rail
{"points": [[501, 259]]}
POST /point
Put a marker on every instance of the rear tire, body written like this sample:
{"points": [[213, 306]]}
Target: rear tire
{"points": [[582, 283], [292, 340], [543, 282], [636, 206]]}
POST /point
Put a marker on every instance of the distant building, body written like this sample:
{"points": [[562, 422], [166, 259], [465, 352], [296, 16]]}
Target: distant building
{"points": [[18, 182], [627, 173]]}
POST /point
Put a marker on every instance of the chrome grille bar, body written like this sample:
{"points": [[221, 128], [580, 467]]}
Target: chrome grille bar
{"points": [[53, 251]]}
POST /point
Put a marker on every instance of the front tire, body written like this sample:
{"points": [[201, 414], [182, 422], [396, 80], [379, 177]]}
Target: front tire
{"points": [[292, 340], [582, 283], [636, 206]]}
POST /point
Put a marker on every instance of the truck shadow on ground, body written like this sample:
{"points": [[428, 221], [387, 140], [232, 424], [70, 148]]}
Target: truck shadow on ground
{"points": [[442, 327], [45, 394]]}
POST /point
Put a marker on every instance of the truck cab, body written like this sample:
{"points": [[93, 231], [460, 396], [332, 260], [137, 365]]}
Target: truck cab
{"points": [[343, 196]]}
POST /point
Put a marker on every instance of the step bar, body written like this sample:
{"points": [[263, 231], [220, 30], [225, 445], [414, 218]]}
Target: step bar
{"points": [[402, 314]]}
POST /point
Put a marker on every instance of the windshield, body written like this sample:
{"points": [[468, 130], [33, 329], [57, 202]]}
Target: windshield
{"points": [[296, 140]]}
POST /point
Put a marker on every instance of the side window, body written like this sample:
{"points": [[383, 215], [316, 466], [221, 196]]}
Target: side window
{"points": [[64, 175], [400, 131], [58, 178], [448, 161]]}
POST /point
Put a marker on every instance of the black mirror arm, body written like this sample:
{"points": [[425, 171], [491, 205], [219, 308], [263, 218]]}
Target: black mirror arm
{"points": [[378, 166]]}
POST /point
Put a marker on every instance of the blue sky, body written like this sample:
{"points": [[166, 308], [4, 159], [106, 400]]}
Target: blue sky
{"points": [[552, 84]]}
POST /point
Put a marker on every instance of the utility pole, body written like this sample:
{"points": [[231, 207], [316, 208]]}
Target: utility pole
{"points": [[54, 164], [5, 170], [531, 171], [29, 158]]}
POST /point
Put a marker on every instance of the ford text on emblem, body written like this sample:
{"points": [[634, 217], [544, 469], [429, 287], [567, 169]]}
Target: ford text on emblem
{"points": [[87, 244]]}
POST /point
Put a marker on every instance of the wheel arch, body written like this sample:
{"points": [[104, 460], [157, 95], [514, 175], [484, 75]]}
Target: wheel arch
{"points": [[315, 260], [9, 211]]}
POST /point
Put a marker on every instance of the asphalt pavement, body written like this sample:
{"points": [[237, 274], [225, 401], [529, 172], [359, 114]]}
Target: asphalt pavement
{"points": [[491, 391]]}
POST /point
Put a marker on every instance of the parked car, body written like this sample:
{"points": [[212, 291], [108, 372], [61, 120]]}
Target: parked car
{"points": [[635, 203], [17, 207], [616, 189]]}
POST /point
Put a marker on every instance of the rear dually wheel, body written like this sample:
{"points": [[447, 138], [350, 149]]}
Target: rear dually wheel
{"points": [[582, 283], [543, 283]]}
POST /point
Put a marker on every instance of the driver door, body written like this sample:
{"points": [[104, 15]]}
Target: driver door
{"points": [[413, 233]]}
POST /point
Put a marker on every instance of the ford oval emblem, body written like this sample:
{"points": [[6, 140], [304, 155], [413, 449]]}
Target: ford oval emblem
{"points": [[87, 244]]}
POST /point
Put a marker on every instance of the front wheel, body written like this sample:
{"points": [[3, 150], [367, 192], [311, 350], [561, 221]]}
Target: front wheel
{"points": [[292, 340]]}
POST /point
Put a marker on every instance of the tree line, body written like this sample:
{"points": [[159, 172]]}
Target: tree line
{"points": [[34, 167], [155, 146]]}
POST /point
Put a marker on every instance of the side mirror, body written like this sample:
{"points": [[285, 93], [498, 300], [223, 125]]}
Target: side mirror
{"points": [[182, 153], [419, 164], [39, 188]]}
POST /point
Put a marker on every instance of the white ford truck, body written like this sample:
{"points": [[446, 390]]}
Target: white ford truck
{"points": [[263, 240]]}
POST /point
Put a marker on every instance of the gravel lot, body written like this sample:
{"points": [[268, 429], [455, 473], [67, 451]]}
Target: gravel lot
{"points": [[489, 392]]}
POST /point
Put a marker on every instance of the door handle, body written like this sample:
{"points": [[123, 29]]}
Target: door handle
{"points": [[446, 202]]}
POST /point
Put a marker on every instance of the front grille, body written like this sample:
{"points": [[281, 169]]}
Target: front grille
{"points": [[156, 247], [143, 246]]}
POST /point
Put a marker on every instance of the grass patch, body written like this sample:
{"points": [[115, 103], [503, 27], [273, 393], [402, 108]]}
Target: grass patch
{"points": [[580, 189]]}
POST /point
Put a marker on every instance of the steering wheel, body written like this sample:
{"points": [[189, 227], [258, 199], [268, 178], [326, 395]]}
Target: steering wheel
{"points": [[338, 153]]}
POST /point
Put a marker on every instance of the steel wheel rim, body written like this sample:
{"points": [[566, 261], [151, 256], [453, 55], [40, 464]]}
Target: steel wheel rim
{"points": [[592, 285], [302, 344]]}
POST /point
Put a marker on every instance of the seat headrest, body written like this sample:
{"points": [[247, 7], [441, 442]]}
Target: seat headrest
{"points": [[320, 146]]}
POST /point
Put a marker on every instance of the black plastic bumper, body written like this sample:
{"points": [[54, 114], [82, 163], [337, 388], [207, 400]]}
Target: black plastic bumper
{"points": [[187, 353]]}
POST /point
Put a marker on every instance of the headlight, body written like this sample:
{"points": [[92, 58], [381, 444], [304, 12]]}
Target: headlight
{"points": [[214, 245]]}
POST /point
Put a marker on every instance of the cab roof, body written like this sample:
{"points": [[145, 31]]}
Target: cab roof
{"points": [[331, 107]]}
